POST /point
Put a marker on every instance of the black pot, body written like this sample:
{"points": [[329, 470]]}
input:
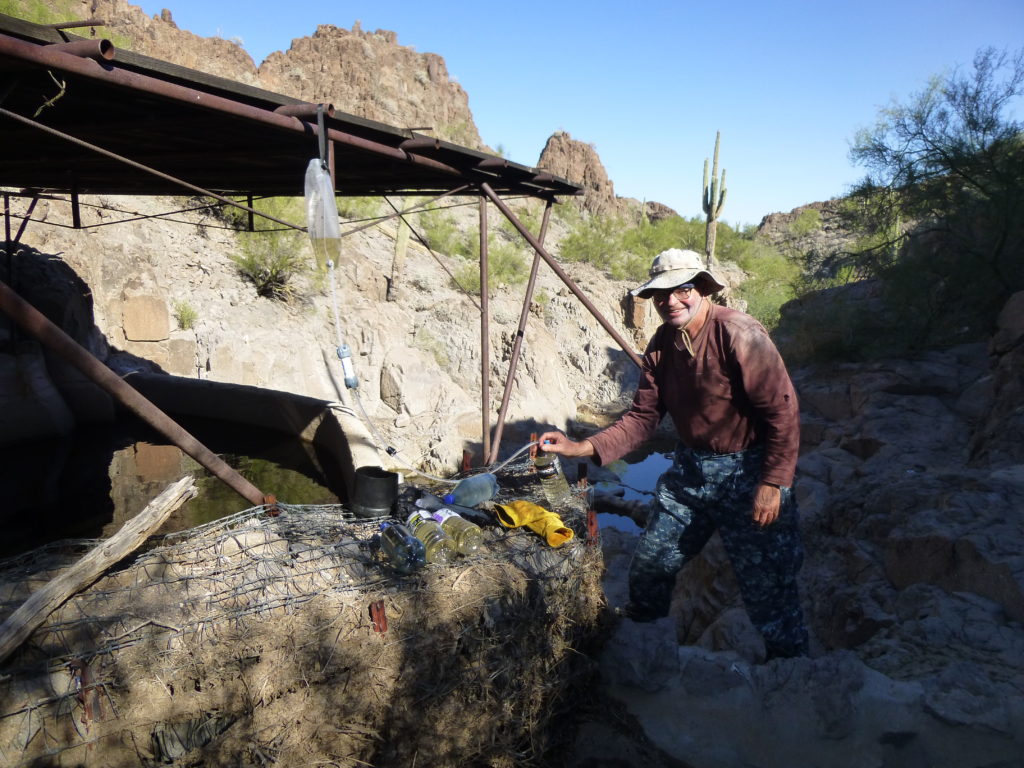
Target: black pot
{"points": [[375, 492]]}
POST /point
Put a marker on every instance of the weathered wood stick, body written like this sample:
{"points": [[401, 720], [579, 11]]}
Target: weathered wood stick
{"points": [[47, 599]]}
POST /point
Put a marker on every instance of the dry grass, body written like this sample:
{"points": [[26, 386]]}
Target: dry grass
{"points": [[249, 642]]}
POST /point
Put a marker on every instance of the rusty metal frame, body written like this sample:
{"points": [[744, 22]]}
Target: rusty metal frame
{"points": [[569, 283], [538, 247], [485, 340], [138, 166], [85, 60], [489, 451]]}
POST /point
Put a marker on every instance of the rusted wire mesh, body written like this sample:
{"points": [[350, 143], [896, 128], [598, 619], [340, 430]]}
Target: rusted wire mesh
{"points": [[261, 638]]}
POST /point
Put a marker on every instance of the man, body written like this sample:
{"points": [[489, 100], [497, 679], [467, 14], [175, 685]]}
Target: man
{"points": [[716, 372]]}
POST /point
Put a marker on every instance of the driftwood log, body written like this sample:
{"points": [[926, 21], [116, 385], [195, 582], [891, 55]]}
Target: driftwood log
{"points": [[43, 602]]}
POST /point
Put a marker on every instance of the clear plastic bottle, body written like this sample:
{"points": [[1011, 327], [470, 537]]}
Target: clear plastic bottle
{"points": [[468, 536], [402, 550], [431, 503], [439, 546], [473, 490], [552, 478]]}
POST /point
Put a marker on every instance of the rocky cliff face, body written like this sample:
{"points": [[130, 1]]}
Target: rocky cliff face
{"points": [[161, 38], [367, 74], [817, 231], [578, 161]]}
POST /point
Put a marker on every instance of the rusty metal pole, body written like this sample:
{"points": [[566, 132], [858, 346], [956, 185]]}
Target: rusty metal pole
{"points": [[38, 325], [53, 57], [26, 218], [570, 284], [121, 159], [485, 343], [513, 363]]}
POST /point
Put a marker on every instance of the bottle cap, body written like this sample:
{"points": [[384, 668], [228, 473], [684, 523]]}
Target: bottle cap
{"points": [[448, 498]]}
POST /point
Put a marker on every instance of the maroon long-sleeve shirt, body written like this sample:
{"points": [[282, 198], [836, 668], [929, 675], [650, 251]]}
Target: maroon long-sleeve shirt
{"points": [[733, 393]]}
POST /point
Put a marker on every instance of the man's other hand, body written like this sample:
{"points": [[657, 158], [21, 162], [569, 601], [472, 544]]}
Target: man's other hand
{"points": [[767, 499]]}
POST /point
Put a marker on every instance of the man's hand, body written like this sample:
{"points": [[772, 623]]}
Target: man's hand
{"points": [[557, 442], [767, 499]]}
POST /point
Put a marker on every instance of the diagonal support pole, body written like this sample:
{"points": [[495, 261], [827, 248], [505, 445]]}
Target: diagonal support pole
{"points": [[48, 334], [141, 167], [570, 284]]}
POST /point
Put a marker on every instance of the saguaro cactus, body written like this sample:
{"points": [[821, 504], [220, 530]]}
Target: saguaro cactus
{"points": [[712, 201]]}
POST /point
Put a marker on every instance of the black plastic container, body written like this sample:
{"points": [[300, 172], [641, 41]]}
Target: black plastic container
{"points": [[375, 492]]}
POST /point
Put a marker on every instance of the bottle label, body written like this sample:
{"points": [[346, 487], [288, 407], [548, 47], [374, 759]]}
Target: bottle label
{"points": [[443, 514], [548, 471], [415, 517]]}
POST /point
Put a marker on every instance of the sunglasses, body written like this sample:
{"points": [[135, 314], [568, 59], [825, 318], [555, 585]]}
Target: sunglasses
{"points": [[682, 293]]}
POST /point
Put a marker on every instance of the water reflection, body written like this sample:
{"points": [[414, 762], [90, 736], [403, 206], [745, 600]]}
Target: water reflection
{"points": [[638, 473]]}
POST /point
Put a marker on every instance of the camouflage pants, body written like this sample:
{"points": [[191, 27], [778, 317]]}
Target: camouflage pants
{"points": [[700, 493]]}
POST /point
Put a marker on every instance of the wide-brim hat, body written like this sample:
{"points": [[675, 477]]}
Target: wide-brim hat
{"points": [[673, 268]]}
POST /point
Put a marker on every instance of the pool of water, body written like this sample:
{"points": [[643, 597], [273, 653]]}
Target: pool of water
{"points": [[637, 473], [87, 484]]}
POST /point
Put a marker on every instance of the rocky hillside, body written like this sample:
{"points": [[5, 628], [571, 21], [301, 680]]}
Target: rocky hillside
{"points": [[361, 72], [417, 355], [364, 73]]}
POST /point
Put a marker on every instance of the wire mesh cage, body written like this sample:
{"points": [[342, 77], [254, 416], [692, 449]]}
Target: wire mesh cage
{"points": [[281, 634]]}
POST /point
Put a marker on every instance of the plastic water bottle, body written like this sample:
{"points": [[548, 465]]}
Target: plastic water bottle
{"points": [[473, 490], [468, 536], [552, 478], [431, 503], [439, 546], [403, 551]]}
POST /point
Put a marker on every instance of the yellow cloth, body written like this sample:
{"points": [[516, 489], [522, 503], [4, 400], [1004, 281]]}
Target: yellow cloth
{"points": [[536, 518]]}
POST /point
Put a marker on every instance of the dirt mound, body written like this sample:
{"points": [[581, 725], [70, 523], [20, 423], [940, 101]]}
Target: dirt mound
{"points": [[250, 640]]}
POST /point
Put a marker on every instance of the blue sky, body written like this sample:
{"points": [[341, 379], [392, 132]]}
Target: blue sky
{"points": [[649, 83]]}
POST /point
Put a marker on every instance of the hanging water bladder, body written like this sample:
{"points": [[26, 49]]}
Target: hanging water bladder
{"points": [[322, 215], [321, 208]]}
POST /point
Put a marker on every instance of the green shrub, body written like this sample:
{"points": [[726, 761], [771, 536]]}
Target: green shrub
{"points": [[438, 227], [272, 260], [185, 315], [56, 11], [506, 265], [807, 221], [529, 213], [630, 266], [648, 240], [595, 240], [568, 213], [773, 279], [359, 208], [429, 343]]}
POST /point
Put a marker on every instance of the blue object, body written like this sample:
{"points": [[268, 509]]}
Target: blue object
{"points": [[473, 490]]}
